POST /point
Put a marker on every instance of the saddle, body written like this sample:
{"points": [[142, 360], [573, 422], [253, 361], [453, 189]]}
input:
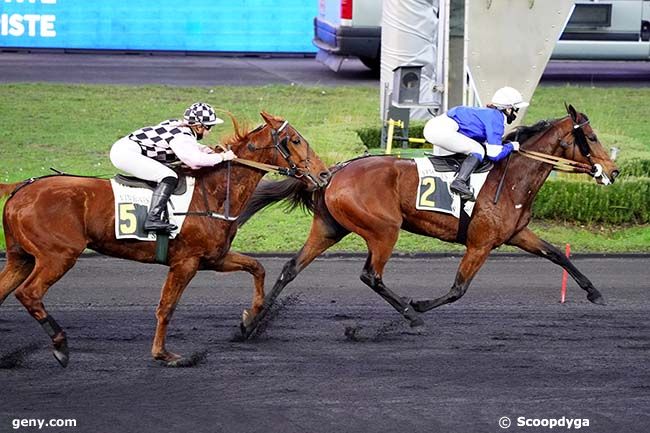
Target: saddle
{"points": [[453, 162], [181, 186]]}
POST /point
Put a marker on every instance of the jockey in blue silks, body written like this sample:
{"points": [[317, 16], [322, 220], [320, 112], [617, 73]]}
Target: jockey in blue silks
{"points": [[476, 132]]}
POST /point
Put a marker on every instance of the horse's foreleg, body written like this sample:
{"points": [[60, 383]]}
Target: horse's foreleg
{"points": [[180, 274], [469, 266], [379, 251], [530, 242], [321, 236], [320, 239], [233, 262]]}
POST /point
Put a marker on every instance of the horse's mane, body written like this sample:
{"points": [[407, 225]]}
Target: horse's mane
{"points": [[523, 133], [238, 135]]}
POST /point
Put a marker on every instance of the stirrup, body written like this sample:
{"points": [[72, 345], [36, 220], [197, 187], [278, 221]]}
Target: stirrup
{"points": [[464, 193], [159, 226]]}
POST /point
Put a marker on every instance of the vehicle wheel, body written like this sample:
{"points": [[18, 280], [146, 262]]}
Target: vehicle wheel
{"points": [[372, 63]]}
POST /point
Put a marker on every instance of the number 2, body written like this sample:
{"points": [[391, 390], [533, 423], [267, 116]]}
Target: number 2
{"points": [[424, 198]]}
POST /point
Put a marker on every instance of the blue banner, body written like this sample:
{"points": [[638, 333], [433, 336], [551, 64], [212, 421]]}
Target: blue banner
{"points": [[271, 26]]}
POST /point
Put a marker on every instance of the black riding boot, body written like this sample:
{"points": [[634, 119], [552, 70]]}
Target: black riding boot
{"points": [[460, 185], [154, 221]]}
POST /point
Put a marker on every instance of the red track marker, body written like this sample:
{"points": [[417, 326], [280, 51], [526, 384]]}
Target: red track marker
{"points": [[565, 276]]}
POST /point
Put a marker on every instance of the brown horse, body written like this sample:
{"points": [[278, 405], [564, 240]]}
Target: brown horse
{"points": [[375, 196], [48, 222]]}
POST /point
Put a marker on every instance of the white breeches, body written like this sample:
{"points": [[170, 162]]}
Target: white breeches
{"points": [[127, 156], [442, 132]]}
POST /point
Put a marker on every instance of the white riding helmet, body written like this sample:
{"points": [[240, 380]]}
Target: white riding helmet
{"points": [[202, 113], [507, 97]]}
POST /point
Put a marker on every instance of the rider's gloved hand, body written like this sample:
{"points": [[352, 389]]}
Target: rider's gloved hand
{"points": [[515, 146], [228, 155]]}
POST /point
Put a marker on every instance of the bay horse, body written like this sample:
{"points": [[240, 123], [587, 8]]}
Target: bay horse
{"points": [[49, 221], [374, 197]]}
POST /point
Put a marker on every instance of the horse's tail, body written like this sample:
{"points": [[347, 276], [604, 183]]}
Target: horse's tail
{"points": [[7, 188], [293, 191]]}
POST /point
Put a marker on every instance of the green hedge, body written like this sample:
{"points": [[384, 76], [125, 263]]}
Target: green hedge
{"points": [[585, 202], [635, 167]]}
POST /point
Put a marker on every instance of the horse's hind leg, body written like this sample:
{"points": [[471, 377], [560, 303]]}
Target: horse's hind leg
{"points": [[530, 242], [16, 270], [469, 266], [380, 247], [31, 292]]}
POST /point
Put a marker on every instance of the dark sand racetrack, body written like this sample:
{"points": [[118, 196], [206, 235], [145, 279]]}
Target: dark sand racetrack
{"points": [[508, 348]]}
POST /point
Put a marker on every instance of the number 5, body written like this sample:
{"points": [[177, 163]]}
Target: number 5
{"points": [[128, 221]]}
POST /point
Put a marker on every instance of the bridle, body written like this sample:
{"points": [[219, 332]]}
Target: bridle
{"points": [[568, 165], [563, 164], [280, 145]]}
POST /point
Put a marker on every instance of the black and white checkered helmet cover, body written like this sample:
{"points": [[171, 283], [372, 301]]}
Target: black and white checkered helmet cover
{"points": [[202, 113]]}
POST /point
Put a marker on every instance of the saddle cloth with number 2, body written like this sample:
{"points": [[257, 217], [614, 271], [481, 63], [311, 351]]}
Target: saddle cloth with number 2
{"points": [[433, 192]]}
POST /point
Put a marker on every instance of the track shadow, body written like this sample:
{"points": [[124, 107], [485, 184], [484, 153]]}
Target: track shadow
{"points": [[17, 358], [386, 331]]}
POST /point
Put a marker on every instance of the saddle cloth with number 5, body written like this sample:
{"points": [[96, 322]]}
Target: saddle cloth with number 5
{"points": [[132, 207], [433, 192]]}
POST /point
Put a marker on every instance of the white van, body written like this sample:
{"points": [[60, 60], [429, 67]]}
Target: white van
{"points": [[349, 28], [601, 30]]}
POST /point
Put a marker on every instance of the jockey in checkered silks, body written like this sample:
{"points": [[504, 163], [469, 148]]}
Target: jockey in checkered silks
{"points": [[148, 153]]}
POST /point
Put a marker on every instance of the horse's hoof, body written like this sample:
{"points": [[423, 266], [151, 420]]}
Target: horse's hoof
{"points": [[195, 359], [417, 322], [244, 331], [62, 357], [178, 363], [596, 298], [418, 306], [246, 318], [167, 357], [61, 352]]}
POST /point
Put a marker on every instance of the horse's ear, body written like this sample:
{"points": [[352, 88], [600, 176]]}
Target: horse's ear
{"points": [[270, 119], [571, 111]]}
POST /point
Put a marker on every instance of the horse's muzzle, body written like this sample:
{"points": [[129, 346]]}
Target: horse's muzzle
{"points": [[321, 180], [325, 176], [601, 176]]}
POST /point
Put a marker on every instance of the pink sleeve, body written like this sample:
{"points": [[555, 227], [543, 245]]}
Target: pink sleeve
{"points": [[189, 152]]}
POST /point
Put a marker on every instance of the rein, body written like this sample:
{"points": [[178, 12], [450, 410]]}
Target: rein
{"points": [[560, 164], [563, 164], [262, 166]]}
